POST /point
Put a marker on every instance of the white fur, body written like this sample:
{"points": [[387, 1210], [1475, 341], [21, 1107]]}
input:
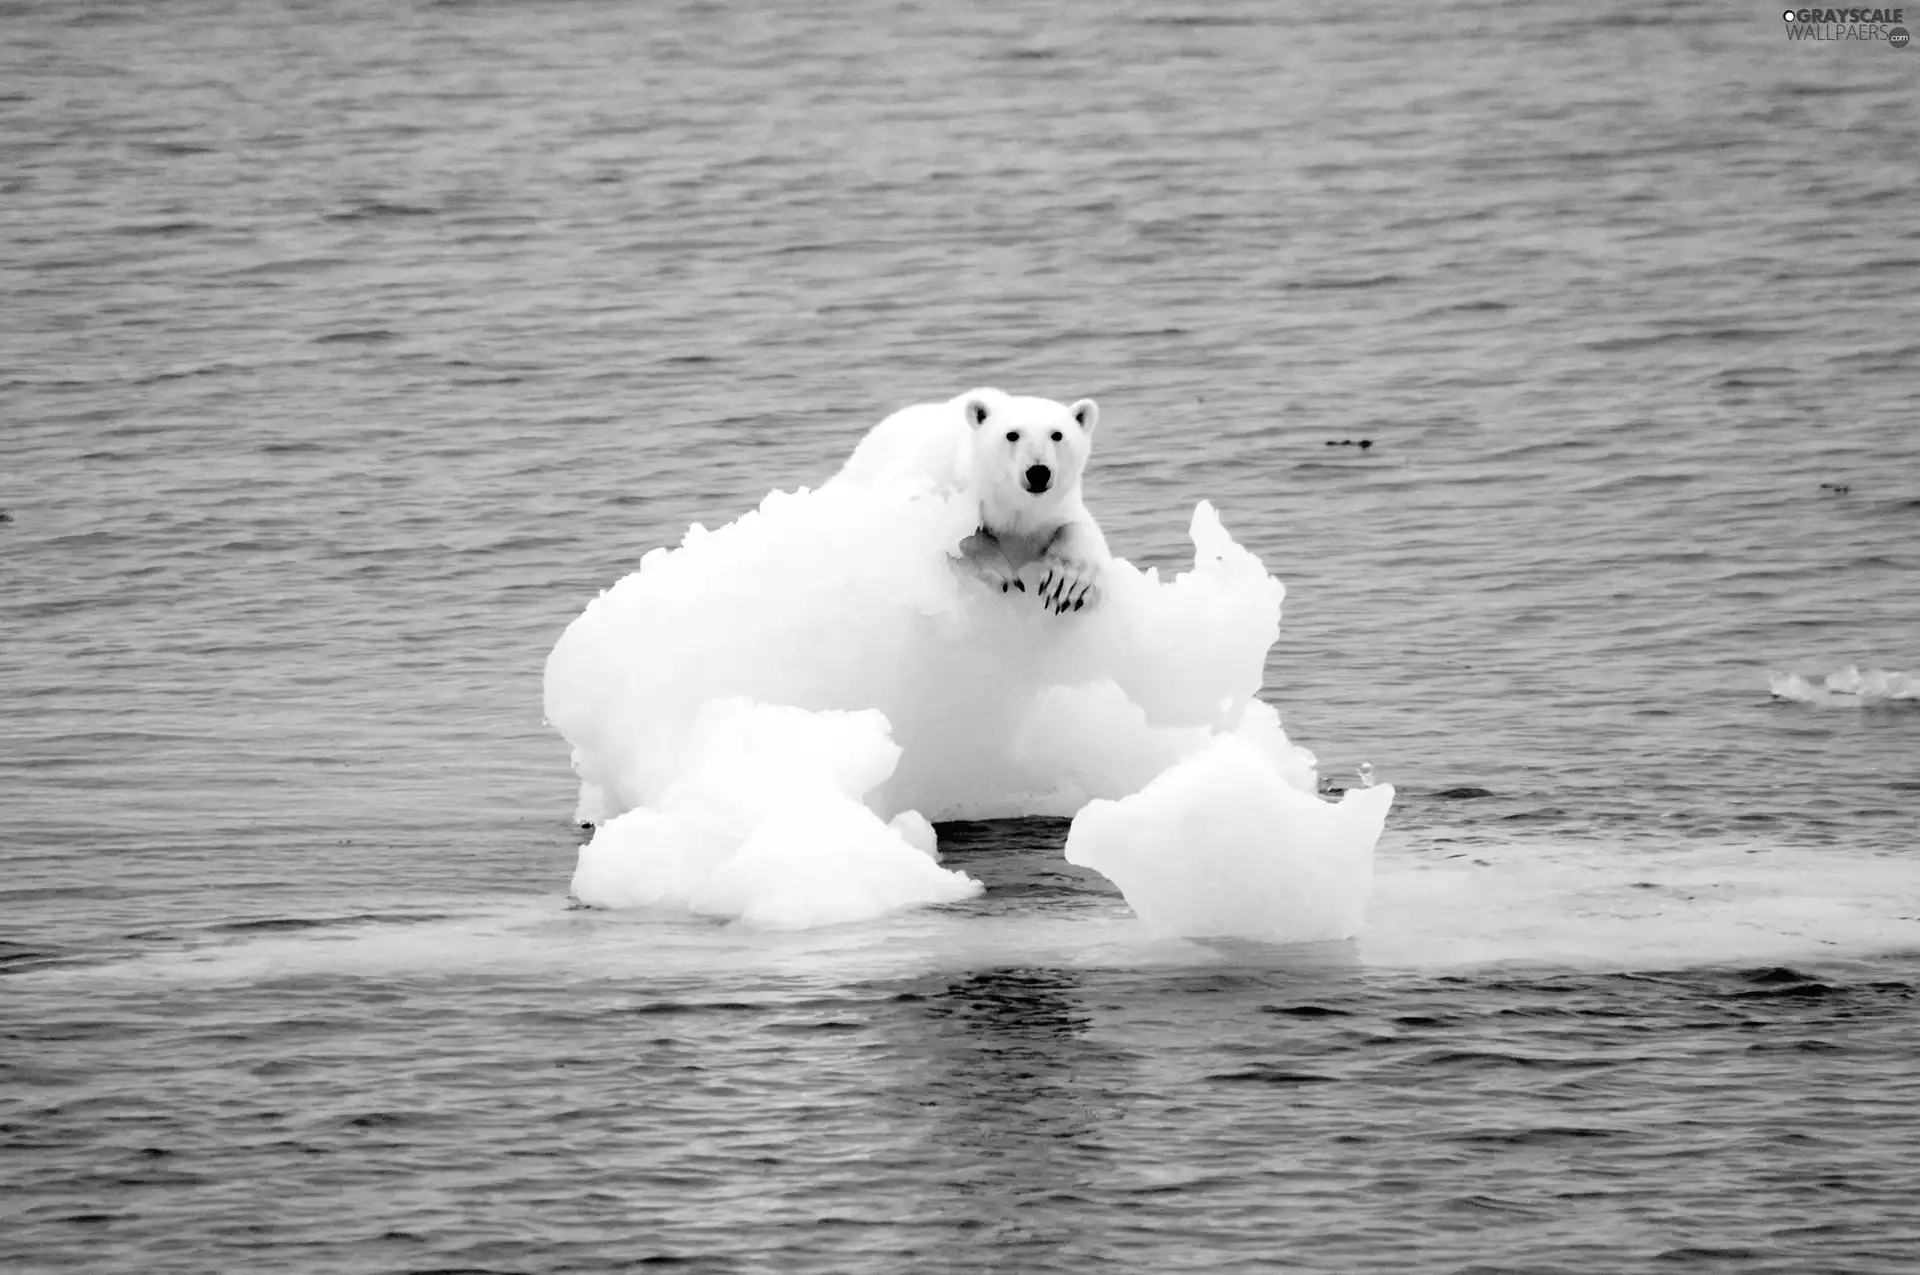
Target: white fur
{"points": [[985, 442]]}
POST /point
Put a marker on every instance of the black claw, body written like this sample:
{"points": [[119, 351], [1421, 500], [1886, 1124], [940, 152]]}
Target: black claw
{"points": [[1078, 603], [1020, 585], [1003, 586]]}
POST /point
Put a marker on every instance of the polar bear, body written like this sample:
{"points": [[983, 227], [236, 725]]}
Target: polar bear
{"points": [[1022, 458]]}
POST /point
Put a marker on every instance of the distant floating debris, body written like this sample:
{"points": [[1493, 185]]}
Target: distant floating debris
{"points": [[1465, 793], [1838, 489], [1849, 688], [1365, 443]]}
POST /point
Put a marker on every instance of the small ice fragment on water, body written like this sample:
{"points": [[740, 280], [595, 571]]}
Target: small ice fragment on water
{"points": [[1366, 774], [1221, 844], [765, 823], [1848, 688]]}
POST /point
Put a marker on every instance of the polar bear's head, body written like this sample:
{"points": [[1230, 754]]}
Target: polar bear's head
{"points": [[1031, 448]]}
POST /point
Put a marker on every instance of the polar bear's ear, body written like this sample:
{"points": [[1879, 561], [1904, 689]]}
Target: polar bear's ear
{"points": [[1087, 412], [976, 410]]}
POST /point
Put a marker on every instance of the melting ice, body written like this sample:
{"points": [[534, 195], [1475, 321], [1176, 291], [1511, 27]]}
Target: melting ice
{"points": [[766, 718], [1849, 688]]}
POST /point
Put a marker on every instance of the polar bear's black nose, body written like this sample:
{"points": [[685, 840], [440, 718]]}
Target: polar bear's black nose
{"points": [[1038, 476]]}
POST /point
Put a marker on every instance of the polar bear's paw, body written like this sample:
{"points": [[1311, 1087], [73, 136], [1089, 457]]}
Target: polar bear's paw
{"points": [[1068, 581]]}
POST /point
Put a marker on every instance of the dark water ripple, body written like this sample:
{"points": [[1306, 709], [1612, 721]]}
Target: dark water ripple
{"points": [[348, 350], [1041, 1115]]}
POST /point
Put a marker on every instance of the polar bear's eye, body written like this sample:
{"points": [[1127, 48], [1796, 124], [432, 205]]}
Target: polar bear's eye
{"points": [[1056, 435], [1013, 436]]}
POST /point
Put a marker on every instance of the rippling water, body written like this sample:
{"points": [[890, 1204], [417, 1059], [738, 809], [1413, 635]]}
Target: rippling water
{"points": [[349, 348]]}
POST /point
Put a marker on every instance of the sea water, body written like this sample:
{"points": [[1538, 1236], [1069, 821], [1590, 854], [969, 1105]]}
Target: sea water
{"points": [[348, 351]]}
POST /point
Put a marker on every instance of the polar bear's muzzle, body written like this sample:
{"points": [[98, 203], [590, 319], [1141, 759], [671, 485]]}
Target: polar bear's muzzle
{"points": [[1037, 478]]}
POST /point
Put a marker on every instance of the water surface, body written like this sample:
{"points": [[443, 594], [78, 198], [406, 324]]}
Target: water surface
{"points": [[349, 349]]}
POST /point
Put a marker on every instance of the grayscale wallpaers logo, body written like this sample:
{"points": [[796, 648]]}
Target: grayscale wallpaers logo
{"points": [[1848, 24]]}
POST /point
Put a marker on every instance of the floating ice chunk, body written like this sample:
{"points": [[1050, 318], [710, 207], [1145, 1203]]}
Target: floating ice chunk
{"points": [[1226, 843], [748, 710], [763, 822], [1848, 688]]}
